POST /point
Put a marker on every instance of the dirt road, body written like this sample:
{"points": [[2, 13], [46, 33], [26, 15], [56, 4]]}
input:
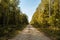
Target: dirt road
{"points": [[30, 33]]}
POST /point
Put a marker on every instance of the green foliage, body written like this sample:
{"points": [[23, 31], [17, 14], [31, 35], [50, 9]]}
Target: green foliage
{"points": [[11, 18], [47, 15]]}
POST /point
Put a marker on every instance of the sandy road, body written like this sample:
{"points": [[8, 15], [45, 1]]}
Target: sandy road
{"points": [[30, 33]]}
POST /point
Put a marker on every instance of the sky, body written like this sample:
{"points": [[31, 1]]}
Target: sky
{"points": [[29, 7]]}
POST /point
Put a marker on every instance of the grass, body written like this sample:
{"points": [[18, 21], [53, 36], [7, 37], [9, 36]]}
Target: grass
{"points": [[10, 31], [54, 34]]}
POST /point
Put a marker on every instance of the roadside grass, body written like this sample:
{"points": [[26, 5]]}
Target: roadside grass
{"points": [[10, 31], [51, 32]]}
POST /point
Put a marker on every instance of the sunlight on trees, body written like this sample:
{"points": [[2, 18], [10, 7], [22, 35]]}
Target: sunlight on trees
{"points": [[47, 18]]}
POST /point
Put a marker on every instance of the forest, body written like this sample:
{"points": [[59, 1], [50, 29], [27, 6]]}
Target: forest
{"points": [[11, 19], [47, 18]]}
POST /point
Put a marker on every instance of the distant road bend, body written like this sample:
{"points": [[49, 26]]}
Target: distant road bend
{"points": [[30, 33]]}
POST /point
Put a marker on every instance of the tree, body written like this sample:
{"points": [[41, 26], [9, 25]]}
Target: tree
{"points": [[47, 16], [11, 17]]}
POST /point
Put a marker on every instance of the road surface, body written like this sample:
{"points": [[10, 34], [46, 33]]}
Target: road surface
{"points": [[30, 33]]}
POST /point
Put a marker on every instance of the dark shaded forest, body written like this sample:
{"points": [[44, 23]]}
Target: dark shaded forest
{"points": [[11, 19]]}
